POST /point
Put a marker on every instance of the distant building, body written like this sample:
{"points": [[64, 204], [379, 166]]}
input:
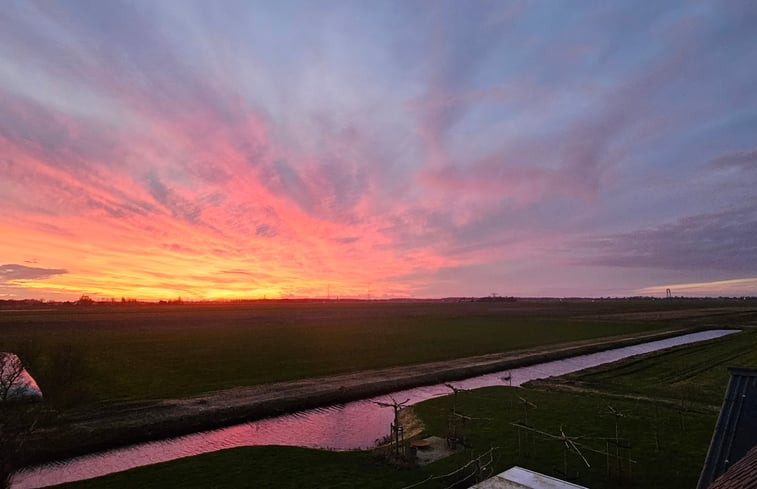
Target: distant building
{"points": [[520, 478], [732, 458]]}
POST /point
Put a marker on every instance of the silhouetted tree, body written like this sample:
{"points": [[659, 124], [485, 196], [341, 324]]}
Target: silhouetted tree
{"points": [[15, 418], [11, 368]]}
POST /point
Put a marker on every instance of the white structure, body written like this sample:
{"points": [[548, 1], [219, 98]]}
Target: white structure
{"points": [[23, 387], [520, 478]]}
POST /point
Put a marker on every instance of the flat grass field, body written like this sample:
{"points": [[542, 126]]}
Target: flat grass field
{"points": [[668, 443], [676, 464], [692, 374], [113, 354]]}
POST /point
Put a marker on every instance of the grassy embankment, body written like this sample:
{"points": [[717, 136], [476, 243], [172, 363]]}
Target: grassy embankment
{"points": [[668, 443], [689, 375], [675, 465], [105, 355]]}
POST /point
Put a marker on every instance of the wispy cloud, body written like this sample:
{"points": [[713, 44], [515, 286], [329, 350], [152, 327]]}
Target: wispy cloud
{"points": [[148, 147], [13, 274], [719, 241], [743, 160], [733, 287]]}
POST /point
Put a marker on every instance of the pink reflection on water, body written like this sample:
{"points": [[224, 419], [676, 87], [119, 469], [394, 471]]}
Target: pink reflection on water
{"points": [[340, 427], [355, 425]]}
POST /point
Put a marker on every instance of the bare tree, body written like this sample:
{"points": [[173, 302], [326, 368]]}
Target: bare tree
{"points": [[11, 368], [15, 419], [11, 430]]}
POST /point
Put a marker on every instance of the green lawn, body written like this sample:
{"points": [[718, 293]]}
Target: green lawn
{"points": [[693, 373], [676, 464], [261, 467], [117, 354], [668, 445]]}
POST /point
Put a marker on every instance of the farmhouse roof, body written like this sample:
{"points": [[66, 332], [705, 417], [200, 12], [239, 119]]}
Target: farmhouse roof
{"points": [[736, 430], [741, 475]]}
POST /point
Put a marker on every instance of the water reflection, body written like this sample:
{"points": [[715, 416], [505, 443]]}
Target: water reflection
{"points": [[348, 426]]}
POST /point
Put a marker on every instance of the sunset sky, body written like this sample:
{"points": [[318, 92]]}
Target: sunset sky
{"points": [[247, 149]]}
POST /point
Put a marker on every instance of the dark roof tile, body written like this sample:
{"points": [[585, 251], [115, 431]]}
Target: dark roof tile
{"points": [[741, 475], [736, 430]]}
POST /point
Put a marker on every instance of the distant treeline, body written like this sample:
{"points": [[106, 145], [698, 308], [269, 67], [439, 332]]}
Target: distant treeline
{"points": [[7, 304], [495, 298]]}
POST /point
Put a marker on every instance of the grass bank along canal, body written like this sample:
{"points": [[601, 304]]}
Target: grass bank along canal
{"points": [[350, 425]]}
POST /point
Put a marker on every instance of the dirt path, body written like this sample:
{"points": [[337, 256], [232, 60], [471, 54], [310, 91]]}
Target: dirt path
{"points": [[117, 427]]}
